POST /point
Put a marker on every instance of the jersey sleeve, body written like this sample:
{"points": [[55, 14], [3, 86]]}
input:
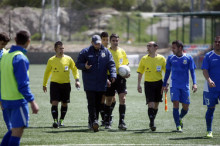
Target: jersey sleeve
{"points": [[47, 73], [167, 72], [21, 76], [205, 64], [192, 63], [74, 69], [140, 68], [168, 63]]}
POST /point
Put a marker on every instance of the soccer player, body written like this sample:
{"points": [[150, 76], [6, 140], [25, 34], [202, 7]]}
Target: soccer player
{"points": [[120, 58], [105, 38], [179, 64], [152, 66], [211, 94], [15, 89], [59, 67], [94, 62], [4, 39]]}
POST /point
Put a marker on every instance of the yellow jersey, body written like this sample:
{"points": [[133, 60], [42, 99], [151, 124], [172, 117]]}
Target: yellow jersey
{"points": [[120, 57], [60, 70], [152, 67]]}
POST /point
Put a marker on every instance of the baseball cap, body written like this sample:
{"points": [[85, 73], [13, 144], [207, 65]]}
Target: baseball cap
{"points": [[96, 39]]}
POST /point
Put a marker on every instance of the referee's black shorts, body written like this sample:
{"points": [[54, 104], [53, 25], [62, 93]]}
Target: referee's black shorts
{"points": [[60, 92], [153, 91]]}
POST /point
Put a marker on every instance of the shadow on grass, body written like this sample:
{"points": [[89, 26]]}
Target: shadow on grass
{"points": [[187, 138], [59, 127], [139, 131], [72, 130]]}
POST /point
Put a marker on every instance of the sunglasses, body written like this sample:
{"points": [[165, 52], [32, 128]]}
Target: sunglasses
{"points": [[149, 45], [217, 42]]}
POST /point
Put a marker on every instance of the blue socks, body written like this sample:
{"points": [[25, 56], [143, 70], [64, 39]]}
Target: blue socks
{"points": [[183, 113], [15, 141], [5, 140], [176, 116], [209, 118]]}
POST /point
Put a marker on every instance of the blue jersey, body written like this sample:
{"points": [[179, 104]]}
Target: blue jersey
{"points": [[211, 63], [180, 67]]}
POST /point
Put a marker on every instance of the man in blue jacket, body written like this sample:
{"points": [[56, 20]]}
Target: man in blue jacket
{"points": [[15, 89], [94, 62]]}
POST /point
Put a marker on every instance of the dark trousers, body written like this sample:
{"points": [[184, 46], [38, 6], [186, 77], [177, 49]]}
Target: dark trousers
{"points": [[94, 103]]}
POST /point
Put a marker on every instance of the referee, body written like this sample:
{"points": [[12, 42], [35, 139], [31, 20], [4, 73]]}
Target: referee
{"points": [[152, 66], [59, 66]]}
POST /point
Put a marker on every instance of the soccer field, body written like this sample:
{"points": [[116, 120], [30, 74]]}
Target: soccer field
{"points": [[76, 132]]}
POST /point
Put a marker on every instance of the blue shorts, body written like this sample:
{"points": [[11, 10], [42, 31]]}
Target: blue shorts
{"points": [[211, 98], [181, 95], [6, 119], [18, 117]]}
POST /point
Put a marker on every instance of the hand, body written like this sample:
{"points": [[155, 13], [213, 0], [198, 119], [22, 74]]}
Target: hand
{"points": [[77, 84], [113, 80], [34, 107], [44, 89], [139, 88], [211, 83], [87, 66], [194, 88], [164, 89], [127, 76], [108, 83]]}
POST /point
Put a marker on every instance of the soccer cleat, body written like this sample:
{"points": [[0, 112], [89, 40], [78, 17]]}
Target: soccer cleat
{"points": [[102, 123], [181, 123], [55, 124], [95, 126], [179, 129], [209, 134], [122, 126], [152, 127], [61, 123], [107, 126], [90, 126], [111, 120]]}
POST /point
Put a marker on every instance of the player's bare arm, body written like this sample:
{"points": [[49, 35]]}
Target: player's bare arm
{"points": [[209, 80]]}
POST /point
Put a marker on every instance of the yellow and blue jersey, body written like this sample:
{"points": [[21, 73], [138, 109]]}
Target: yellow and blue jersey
{"points": [[20, 65]]}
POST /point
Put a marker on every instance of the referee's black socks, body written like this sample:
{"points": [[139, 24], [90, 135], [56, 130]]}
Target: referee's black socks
{"points": [[63, 111], [122, 109], [151, 115], [54, 112]]}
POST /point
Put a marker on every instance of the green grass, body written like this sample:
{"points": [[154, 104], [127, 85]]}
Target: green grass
{"points": [[76, 131]]}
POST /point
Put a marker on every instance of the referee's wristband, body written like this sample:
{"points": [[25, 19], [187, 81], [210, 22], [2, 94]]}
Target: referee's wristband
{"points": [[77, 80]]}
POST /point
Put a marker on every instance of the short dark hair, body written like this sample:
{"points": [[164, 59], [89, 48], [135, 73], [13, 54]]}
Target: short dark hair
{"points": [[114, 36], [217, 37], [178, 43], [57, 44], [104, 34], [22, 37], [4, 37]]}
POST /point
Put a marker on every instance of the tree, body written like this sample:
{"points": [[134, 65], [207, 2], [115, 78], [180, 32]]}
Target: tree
{"points": [[145, 6]]}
